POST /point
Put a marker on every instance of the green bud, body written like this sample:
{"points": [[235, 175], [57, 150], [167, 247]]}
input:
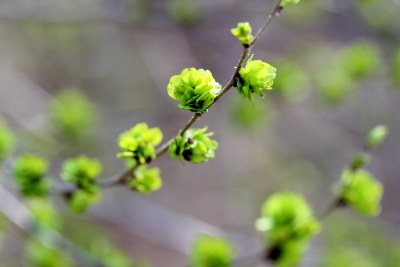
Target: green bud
{"points": [[82, 172], [288, 223], [361, 190], [255, 77], [243, 33], [360, 59], [39, 255], [359, 161], [286, 3], [376, 136], [81, 200], [7, 141], [194, 89], [396, 68], [146, 180], [109, 255], [30, 174], [138, 143], [209, 251], [194, 146], [73, 114], [43, 213]]}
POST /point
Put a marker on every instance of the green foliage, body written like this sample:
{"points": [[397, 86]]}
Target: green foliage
{"points": [[396, 68], [194, 89], [7, 140], [110, 256], [361, 191], [376, 136], [288, 223], [146, 180], [360, 59], [357, 257], [286, 3], [209, 251], [334, 84], [138, 143], [249, 116], [81, 200], [243, 33], [292, 81], [184, 11], [82, 172], [359, 161], [255, 77], [44, 213], [194, 146], [38, 255], [73, 114], [30, 174]]}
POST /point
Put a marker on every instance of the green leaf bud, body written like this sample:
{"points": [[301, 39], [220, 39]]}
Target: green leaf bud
{"points": [[138, 144], [194, 89], [243, 33], [146, 180], [359, 161], [7, 141], [286, 3], [288, 223], [255, 77], [361, 190], [73, 114], [110, 256], [209, 251], [81, 200], [43, 213], [194, 146], [39, 255], [30, 174], [81, 172], [395, 71], [376, 136], [360, 59]]}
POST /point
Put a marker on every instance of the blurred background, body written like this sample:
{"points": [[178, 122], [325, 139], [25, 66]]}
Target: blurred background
{"points": [[75, 74]]}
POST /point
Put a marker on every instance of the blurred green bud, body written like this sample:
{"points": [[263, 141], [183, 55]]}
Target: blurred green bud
{"points": [[255, 77], [292, 82], [334, 84], [146, 180], [396, 68], [7, 140], [73, 114], [82, 171], [360, 190], [30, 174], [43, 213], [209, 251], [138, 143], [288, 223], [194, 146], [194, 89], [38, 255], [243, 33], [286, 3], [376, 136], [184, 11], [110, 256], [81, 200], [360, 59], [359, 161], [248, 116]]}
